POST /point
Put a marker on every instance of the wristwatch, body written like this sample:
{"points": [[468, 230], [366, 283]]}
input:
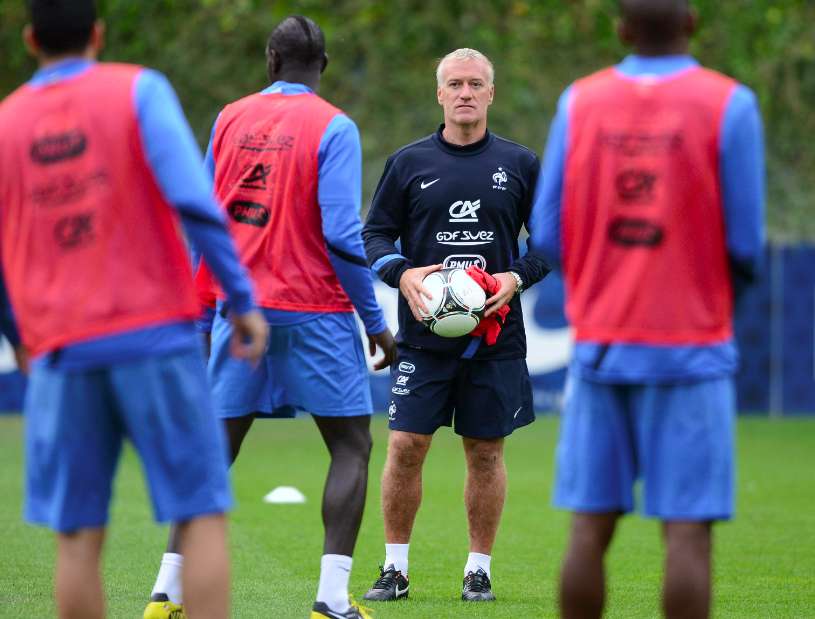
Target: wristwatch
{"points": [[519, 282]]}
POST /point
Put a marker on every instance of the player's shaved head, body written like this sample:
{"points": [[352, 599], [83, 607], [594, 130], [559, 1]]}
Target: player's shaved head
{"points": [[657, 27], [296, 52], [299, 43]]}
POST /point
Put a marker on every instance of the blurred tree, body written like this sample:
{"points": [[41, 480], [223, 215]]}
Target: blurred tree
{"points": [[383, 57]]}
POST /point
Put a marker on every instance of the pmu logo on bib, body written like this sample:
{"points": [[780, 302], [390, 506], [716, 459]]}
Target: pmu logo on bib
{"points": [[251, 213], [465, 211], [53, 148]]}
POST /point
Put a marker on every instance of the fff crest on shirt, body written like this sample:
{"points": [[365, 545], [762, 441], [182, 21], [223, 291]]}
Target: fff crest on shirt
{"points": [[499, 179]]}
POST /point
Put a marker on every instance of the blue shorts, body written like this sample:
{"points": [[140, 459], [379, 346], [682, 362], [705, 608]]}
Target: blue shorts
{"points": [[75, 422], [485, 399], [316, 366], [678, 439]]}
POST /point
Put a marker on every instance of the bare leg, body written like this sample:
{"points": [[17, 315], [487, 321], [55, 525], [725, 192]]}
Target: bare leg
{"points": [[349, 441], [206, 567], [236, 430], [687, 589], [582, 580], [78, 581], [402, 483], [484, 491]]}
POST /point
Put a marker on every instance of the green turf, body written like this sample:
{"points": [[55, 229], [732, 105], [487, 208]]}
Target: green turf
{"points": [[764, 562]]}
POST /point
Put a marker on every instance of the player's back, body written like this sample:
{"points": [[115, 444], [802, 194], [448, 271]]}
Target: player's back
{"points": [[266, 153], [646, 259], [90, 245]]}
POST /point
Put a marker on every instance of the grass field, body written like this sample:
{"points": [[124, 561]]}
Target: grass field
{"points": [[764, 562]]}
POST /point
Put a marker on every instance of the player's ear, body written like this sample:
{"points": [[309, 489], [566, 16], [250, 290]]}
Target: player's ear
{"points": [[691, 23], [30, 41], [439, 95], [624, 33], [97, 40], [273, 64], [492, 93]]}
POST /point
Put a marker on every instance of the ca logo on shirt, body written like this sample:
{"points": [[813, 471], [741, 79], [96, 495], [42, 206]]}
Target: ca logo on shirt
{"points": [[465, 211]]}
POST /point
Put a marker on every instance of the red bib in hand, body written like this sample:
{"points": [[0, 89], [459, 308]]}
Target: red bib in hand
{"points": [[489, 328]]}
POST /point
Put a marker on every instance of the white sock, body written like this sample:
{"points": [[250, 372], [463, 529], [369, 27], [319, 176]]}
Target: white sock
{"points": [[168, 580], [335, 570], [397, 556], [476, 560]]}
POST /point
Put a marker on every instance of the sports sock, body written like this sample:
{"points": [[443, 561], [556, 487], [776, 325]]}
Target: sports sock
{"points": [[333, 590], [397, 556], [476, 560], [168, 580]]}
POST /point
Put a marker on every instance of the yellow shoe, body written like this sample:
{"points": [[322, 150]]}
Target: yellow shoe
{"points": [[322, 611], [160, 607]]}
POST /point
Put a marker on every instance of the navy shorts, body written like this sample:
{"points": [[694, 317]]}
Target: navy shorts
{"points": [[480, 399]]}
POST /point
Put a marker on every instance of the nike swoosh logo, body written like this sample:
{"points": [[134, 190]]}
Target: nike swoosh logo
{"points": [[517, 411], [401, 591], [426, 185]]}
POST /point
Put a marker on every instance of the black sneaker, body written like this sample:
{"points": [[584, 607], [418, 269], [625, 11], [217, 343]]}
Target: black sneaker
{"points": [[390, 586], [477, 587]]}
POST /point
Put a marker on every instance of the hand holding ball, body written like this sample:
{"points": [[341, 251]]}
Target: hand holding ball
{"points": [[457, 303]]}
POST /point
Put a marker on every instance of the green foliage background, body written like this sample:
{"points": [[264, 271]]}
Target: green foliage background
{"points": [[383, 56]]}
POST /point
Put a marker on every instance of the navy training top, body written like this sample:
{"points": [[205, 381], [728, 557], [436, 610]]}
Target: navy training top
{"points": [[459, 206]]}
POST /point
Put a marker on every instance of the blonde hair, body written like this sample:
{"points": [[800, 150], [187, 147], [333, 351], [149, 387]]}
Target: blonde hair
{"points": [[465, 53]]}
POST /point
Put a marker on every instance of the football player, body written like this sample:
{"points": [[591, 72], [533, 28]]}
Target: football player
{"points": [[97, 166], [652, 198], [287, 167]]}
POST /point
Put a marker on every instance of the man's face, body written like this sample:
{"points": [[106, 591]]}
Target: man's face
{"points": [[465, 92]]}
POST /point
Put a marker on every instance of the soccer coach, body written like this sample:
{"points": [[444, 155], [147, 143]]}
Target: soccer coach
{"points": [[458, 197]]}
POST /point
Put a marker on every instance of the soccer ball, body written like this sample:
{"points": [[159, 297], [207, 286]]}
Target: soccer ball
{"points": [[457, 304]]}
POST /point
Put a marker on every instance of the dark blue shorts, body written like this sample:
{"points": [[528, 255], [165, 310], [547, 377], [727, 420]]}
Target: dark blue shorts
{"points": [[484, 399]]}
